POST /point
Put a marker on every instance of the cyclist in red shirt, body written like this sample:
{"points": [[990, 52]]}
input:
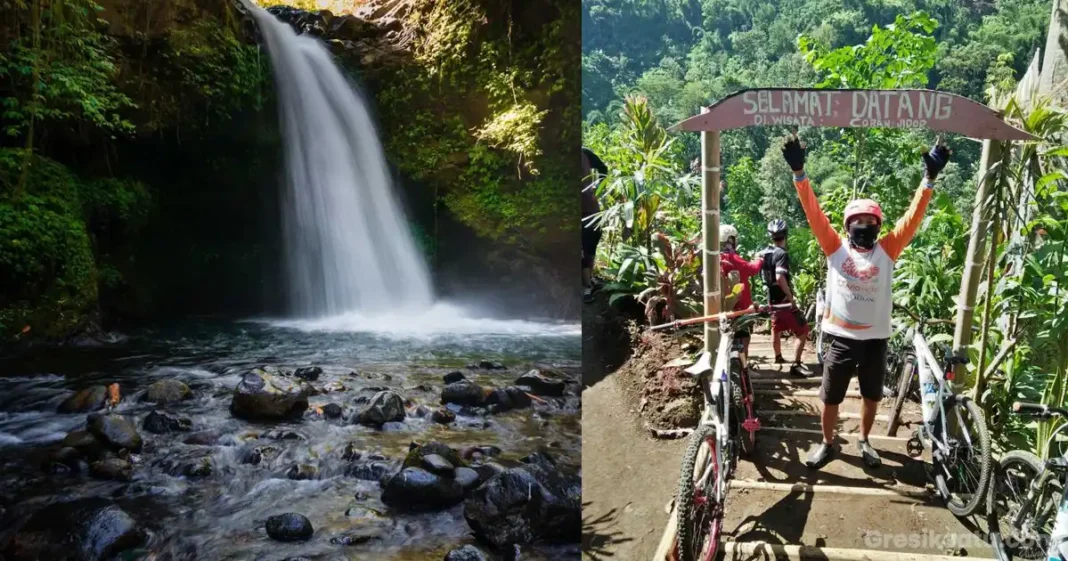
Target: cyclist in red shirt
{"points": [[729, 260]]}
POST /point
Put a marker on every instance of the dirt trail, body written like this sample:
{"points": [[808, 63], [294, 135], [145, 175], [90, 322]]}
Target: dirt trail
{"points": [[629, 478]]}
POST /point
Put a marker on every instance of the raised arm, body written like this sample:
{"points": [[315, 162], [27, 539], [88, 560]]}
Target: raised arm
{"points": [[794, 152], [897, 239]]}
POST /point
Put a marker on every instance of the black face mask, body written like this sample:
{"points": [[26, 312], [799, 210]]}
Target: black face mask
{"points": [[863, 235]]}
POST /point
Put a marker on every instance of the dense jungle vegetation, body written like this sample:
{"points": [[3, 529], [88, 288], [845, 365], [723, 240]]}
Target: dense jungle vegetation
{"points": [[139, 154], [649, 64]]}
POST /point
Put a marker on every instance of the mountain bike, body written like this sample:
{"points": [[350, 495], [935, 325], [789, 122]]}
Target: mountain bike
{"points": [[953, 428], [729, 425], [1028, 499]]}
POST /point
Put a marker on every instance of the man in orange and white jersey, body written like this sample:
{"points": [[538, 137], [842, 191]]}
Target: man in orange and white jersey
{"points": [[860, 268]]}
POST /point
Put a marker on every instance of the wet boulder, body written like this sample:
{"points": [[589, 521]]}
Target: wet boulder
{"points": [[261, 395], [543, 383], [309, 373], [116, 469], [498, 401], [437, 464], [442, 416], [163, 423], [455, 376], [289, 527], [417, 489], [539, 501], [166, 392], [332, 411], [418, 453], [370, 470], [92, 529], [519, 397], [385, 407], [467, 478], [93, 398], [463, 393], [115, 431], [467, 553]]}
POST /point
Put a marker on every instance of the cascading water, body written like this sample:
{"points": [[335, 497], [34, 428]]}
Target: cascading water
{"points": [[348, 247]]}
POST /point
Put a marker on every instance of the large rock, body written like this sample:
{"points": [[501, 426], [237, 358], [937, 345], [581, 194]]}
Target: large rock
{"points": [[455, 376], [370, 471], [463, 393], [84, 441], [309, 373], [112, 468], [542, 383], [289, 527], [92, 529], [417, 489], [115, 431], [261, 395], [93, 398], [162, 423], [165, 392], [539, 501], [467, 553], [385, 407], [417, 455]]}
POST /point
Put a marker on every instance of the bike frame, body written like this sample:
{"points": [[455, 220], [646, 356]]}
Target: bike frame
{"points": [[718, 406], [933, 381]]}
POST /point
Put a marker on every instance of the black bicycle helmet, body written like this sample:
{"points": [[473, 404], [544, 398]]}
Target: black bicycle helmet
{"points": [[596, 162], [777, 228]]}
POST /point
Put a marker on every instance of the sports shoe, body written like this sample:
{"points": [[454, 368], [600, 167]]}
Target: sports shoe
{"points": [[587, 295], [779, 359], [870, 456], [820, 456], [798, 371]]}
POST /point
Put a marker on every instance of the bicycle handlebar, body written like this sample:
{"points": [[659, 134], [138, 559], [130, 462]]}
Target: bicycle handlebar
{"points": [[921, 320], [1038, 410], [752, 310]]}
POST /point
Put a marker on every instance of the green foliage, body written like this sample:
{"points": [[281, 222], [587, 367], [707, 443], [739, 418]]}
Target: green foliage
{"points": [[46, 259], [61, 70], [897, 56]]}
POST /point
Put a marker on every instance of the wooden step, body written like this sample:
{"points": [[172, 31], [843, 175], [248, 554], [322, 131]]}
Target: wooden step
{"points": [[748, 551]]}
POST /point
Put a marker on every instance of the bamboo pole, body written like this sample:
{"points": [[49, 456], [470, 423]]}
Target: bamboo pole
{"points": [[991, 269], [710, 231], [973, 264]]}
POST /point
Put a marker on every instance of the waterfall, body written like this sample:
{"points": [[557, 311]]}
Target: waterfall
{"points": [[348, 246]]}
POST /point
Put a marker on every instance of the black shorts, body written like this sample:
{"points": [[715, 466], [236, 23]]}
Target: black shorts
{"points": [[591, 236], [845, 358]]}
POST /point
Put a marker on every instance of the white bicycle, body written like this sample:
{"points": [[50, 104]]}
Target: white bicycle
{"points": [[953, 428]]}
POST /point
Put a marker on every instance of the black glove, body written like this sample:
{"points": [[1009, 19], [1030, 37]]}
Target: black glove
{"points": [[935, 160], [794, 152]]}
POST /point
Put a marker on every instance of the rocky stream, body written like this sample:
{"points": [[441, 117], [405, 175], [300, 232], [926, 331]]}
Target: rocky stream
{"points": [[286, 441]]}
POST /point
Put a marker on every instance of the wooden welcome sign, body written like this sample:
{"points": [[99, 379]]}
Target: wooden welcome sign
{"points": [[894, 109]]}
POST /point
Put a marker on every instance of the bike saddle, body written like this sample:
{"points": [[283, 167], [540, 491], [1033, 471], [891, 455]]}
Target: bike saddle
{"points": [[703, 364]]}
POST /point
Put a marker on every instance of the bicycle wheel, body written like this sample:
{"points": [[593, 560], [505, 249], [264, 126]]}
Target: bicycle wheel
{"points": [[700, 514], [908, 371], [968, 464], [745, 413], [1025, 526]]}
